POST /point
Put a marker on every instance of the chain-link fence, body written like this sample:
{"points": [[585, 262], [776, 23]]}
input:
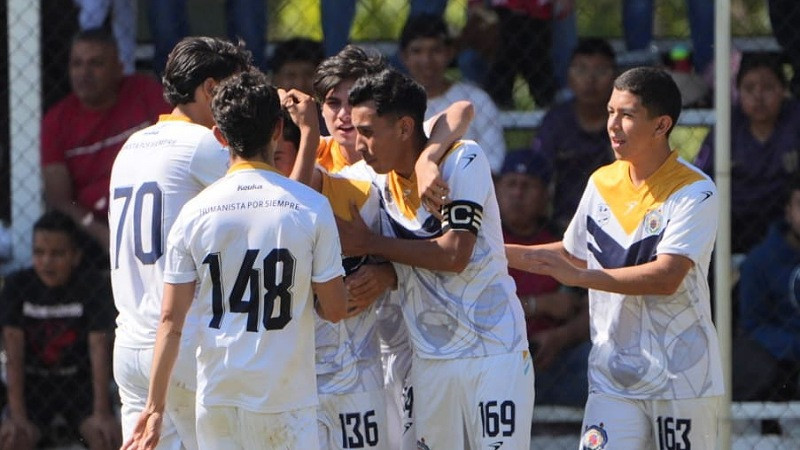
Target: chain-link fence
{"points": [[539, 74]]}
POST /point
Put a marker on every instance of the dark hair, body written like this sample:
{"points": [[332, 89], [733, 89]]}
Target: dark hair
{"points": [[393, 93], [194, 59], [296, 49], [591, 46], [57, 222], [246, 109], [655, 88], [95, 35], [349, 64], [424, 26], [756, 60], [291, 132]]}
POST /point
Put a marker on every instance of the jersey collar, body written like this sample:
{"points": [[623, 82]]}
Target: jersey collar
{"points": [[173, 117], [251, 165]]}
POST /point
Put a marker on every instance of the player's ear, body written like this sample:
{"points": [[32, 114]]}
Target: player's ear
{"points": [[663, 125], [218, 134], [406, 127]]}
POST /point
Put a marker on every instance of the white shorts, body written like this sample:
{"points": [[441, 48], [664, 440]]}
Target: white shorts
{"points": [[631, 424], [132, 374], [233, 428], [489, 398], [356, 420], [399, 400]]}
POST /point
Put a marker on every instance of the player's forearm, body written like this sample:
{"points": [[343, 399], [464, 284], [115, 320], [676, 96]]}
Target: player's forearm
{"points": [[100, 359], [645, 279], [427, 254], [516, 253], [165, 353], [449, 127], [304, 164]]}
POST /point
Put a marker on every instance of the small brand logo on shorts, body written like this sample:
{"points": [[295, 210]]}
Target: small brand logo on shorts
{"points": [[421, 445], [594, 438], [496, 445]]}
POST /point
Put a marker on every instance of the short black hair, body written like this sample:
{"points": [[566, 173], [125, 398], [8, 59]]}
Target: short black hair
{"points": [[194, 59], [296, 49], [394, 94], [246, 109], [57, 222], [755, 60], [590, 46], [99, 35], [424, 26], [349, 64], [655, 88]]}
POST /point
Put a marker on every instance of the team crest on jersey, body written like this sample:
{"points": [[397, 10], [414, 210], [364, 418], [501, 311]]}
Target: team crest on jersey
{"points": [[653, 222], [603, 214], [594, 438]]}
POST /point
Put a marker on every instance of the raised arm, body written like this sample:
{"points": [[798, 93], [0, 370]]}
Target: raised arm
{"points": [[303, 110], [448, 127]]}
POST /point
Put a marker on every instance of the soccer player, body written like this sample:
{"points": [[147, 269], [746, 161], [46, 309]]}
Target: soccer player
{"points": [[157, 171], [256, 243], [641, 242], [471, 368], [352, 405]]}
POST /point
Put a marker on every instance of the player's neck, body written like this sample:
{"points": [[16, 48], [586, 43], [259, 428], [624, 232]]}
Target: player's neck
{"points": [[410, 155], [195, 112], [647, 162]]}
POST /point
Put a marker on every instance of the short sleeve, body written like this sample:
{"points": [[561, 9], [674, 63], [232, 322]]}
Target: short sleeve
{"points": [[576, 233], [327, 259], [50, 149], [467, 173], [692, 225], [179, 265]]}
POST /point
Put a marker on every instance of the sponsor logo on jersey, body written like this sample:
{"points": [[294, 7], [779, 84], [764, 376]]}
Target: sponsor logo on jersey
{"points": [[248, 187], [421, 445], [603, 214], [594, 438]]}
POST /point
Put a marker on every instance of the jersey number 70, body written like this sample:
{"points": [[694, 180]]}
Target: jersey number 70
{"points": [[248, 276]]}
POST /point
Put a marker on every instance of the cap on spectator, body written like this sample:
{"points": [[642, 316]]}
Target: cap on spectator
{"points": [[526, 162]]}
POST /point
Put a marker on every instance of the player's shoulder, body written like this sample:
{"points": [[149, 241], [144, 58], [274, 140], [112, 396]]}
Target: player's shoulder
{"points": [[357, 171], [463, 154]]}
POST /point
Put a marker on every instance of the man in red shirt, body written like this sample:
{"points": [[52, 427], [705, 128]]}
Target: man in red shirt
{"points": [[82, 133]]}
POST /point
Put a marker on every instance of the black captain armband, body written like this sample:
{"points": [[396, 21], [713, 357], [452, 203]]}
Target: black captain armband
{"points": [[462, 215]]}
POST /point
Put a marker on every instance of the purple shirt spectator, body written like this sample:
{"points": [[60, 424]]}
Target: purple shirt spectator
{"points": [[574, 154], [759, 172]]}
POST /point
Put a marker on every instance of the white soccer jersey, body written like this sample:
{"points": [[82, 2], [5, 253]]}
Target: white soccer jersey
{"points": [[348, 352], [256, 241], [650, 346], [448, 315], [155, 173]]}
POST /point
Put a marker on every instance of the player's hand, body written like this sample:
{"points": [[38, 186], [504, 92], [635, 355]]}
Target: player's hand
{"points": [[548, 345], [146, 433], [104, 429], [18, 432], [553, 263], [301, 107], [354, 234], [367, 284], [432, 189]]}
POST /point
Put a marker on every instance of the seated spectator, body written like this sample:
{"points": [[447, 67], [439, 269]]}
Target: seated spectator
{"points": [[56, 336], [765, 148], [557, 318], [294, 62], [767, 362], [427, 51], [82, 134], [572, 137]]}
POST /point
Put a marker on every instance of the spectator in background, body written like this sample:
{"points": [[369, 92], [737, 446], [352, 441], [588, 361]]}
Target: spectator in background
{"points": [[56, 337], [572, 137], [637, 23], [525, 38], [294, 62], [427, 51], [557, 318], [783, 16], [82, 134], [769, 296], [169, 23], [122, 16], [765, 148]]}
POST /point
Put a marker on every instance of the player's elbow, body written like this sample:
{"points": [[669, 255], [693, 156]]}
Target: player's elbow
{"points": [[456, 263]]}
